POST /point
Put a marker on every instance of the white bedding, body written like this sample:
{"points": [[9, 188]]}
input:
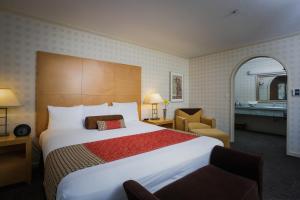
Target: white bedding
{"points": [[153, 169]]}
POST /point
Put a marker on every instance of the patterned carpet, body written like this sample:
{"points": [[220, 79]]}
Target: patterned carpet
{"points": [[281, 172]]}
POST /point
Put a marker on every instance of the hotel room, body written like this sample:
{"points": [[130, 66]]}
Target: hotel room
{"points": [[149, 100]]}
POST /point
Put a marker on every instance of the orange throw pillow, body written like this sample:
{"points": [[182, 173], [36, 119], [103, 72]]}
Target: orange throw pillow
{"points": [[110, 124]]}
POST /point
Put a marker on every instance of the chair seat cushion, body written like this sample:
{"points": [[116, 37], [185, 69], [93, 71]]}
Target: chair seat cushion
{"points": [[215, 133], [197, 125], [210, 183]]}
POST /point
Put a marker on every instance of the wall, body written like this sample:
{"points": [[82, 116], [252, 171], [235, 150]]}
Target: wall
{"points": [[245, 85], [21, 37], [210, 82]]}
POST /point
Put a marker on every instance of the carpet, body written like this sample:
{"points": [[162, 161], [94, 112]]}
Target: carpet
{"points": [[281, 172]]}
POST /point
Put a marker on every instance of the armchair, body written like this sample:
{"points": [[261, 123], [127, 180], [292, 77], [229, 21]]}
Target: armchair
{"points": [[187, 119]]}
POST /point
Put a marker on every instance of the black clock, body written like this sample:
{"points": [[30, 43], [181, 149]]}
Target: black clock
{"points": [[22, 130]]}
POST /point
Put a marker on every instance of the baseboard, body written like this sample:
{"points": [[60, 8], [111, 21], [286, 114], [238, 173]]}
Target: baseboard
{"points": [[293, 154]]}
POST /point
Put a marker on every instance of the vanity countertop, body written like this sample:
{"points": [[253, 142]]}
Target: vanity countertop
{"points": [[259, 107], [267, 110]]}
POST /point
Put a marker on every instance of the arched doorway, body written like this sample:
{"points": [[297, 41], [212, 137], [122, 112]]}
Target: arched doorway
{"points": [[269, 89]]}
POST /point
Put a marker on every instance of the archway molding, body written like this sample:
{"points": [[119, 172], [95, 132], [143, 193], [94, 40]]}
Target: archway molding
{"points": [[232, 95]]}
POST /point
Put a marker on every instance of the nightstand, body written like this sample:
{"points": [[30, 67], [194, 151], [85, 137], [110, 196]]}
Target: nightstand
{"points": [[15, 159], [168, 123]]}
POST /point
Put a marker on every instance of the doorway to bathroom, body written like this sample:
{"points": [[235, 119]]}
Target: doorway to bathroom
{"points": [[260, 101]]}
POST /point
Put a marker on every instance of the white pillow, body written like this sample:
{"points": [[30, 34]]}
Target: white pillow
{"points": [[65, 117], [95, 110], [128, 110]]}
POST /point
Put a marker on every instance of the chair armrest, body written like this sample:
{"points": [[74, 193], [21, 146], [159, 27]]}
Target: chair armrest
{"points": [[136, 191], [242, 164], [209, 121], [181, 123]]}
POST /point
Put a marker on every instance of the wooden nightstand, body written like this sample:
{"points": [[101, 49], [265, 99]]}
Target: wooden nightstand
{"points": [[15, 159], [168, 123]]}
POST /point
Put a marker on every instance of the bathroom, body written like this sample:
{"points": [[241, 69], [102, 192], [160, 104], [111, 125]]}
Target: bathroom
{"points": [[261, 97]]}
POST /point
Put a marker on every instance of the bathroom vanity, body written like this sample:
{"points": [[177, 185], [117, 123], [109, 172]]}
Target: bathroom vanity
{"points": [[261, 97], [263, 117]]}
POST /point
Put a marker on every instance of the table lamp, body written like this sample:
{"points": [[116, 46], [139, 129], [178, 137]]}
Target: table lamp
{"points": [[154, 99], [7, 99]]}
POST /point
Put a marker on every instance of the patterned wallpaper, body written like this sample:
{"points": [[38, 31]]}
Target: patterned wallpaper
{"points": [[245, 85], [210, 82], [207, 80], [21, 37]]}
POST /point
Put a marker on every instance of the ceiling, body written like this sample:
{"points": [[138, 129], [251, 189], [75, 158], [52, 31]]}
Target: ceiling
{"points": [[186, 28]]}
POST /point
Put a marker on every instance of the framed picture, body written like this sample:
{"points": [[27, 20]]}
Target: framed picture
{"points": [[176, 87]]}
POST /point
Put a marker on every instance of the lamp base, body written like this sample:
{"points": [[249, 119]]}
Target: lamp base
{"points": [[4, 134], [154, 112], [155, 118]]}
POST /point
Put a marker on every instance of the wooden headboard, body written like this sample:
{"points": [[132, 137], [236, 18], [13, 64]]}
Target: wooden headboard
{"points": [[67, 81]]}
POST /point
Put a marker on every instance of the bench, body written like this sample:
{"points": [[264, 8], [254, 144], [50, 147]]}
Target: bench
{"points": [[231, 175]]}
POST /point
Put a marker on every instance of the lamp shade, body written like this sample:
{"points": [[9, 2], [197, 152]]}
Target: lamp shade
{"points": [[153, 98], [8, 98]]}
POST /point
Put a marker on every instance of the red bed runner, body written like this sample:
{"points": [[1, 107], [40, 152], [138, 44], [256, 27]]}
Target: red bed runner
{"points": [[122, 147]]}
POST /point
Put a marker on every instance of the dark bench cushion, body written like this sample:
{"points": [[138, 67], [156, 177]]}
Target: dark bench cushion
{"points": [[210, 183]]}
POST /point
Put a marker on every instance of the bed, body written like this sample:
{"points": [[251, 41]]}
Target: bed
{"points": [[153, 169], [68, 81]]}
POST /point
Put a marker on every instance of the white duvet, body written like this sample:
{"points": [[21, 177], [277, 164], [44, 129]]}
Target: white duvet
{"points": [[153, 169]]}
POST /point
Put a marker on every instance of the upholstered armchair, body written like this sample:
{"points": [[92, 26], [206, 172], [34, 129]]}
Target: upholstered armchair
{"points": [[187, 119]]}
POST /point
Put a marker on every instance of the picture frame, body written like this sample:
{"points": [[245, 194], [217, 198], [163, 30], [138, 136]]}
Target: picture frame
{"points": [[176, 87]]}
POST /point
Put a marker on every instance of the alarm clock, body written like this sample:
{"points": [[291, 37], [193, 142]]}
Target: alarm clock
{"points": [[22, 130]]}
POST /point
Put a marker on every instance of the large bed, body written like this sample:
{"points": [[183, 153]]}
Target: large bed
{"points": [[66, 81], [153, 169]]}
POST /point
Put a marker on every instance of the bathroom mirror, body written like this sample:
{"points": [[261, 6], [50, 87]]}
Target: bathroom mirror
{"points": [[271, 87]]}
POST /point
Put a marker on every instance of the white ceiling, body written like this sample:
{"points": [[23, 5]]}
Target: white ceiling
{"points": [[187, 28]]}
